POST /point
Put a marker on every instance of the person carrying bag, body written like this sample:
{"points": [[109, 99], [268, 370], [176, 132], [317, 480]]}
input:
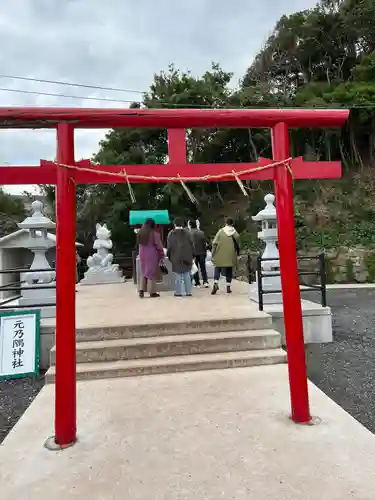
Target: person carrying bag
{"points": [[180, 252]]}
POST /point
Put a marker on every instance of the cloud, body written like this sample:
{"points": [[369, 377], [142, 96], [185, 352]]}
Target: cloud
{"points": [[118, 44]]}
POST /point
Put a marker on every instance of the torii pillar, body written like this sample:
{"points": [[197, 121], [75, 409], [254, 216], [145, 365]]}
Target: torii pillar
{"points": [[289, 277], [66, 172], [65, 407]]}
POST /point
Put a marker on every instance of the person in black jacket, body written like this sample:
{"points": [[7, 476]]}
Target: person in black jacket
{"points": [[180, 252], [200, 253]]}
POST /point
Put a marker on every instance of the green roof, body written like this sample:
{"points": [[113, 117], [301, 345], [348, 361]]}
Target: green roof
{"points": [[138, 217]]}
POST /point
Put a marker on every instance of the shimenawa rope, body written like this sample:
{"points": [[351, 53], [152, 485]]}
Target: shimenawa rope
{"points": [[182, 180]]}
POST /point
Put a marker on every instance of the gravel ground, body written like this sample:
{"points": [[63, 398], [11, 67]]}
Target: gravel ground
{"points": [[344, 370], [15, 397]]}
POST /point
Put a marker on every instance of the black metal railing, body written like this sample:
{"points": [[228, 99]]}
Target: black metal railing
{"points": [[17, 286], [320, 274], [125, 262]]}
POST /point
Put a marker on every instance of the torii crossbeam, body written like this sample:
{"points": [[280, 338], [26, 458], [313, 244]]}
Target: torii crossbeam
{"points": [[46, 173], [65, 173]]}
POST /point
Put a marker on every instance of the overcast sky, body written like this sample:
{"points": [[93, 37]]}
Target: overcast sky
{"points": [[117, 43]]}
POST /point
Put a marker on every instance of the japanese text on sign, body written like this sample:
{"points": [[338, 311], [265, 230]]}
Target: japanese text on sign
{"points": [[19, 344]]}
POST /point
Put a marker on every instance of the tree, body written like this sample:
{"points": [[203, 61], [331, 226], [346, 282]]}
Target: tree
{"points": [[320, 57], [12, 210], [139, 146]]}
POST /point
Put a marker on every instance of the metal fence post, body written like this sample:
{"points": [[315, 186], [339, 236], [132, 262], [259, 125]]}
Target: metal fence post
{"points": [[323, 279], [249, 268], [260, 282]]}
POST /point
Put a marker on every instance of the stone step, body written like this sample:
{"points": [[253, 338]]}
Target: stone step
{"points": [[174, 364], [174, 345], [257, 321]]}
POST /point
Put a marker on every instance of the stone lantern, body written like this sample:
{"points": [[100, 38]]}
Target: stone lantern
{"points": [[41, 277], [271, 266]]}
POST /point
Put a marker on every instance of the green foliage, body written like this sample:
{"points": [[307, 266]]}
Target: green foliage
{"points": [[370, 266], [350, 278], [12, 210], [111, 203], [250, 242], [320, 57], [330, 275], [11, 205]]}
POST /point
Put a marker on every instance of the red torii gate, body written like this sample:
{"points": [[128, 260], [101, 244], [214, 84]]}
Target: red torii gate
{"points": [[65, 173]]}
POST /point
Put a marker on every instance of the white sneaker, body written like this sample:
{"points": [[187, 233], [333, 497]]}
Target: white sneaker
{"points": [[206, 285]]}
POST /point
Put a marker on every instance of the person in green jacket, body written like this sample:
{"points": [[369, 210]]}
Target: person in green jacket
{"points": [[225, 251]]}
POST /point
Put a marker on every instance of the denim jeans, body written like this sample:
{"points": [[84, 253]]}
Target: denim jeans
{"points": [[181, 279], [226, 271]]}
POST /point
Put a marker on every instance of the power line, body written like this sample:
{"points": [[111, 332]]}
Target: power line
{"points": [[82, 97], [165, 103], [181, 105], [96, 87], [71, 84], [53, 94], [115, 89]]}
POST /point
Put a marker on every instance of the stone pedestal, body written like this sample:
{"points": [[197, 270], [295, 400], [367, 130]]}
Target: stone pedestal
{"points": [[101, 271], [103, 276], [271, 262], [31, 299], [39, 285], [317, 321]]}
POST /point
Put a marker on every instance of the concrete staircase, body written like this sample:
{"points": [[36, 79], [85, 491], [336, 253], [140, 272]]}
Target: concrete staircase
{"points": [[133, 350]]}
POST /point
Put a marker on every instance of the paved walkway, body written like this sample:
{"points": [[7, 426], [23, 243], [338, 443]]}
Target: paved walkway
{"points": [[197, 436], [119, 304]]}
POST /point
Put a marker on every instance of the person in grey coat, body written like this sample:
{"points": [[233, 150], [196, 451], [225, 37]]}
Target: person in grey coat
{"points": [[180, 252], [200, 253]]}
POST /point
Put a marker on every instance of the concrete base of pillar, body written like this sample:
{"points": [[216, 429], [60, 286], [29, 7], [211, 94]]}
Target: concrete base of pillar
{"points": [[268, 298], [317, 321]]}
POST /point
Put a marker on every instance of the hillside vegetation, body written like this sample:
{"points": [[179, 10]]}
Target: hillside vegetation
{"points": [[322, 57]]}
